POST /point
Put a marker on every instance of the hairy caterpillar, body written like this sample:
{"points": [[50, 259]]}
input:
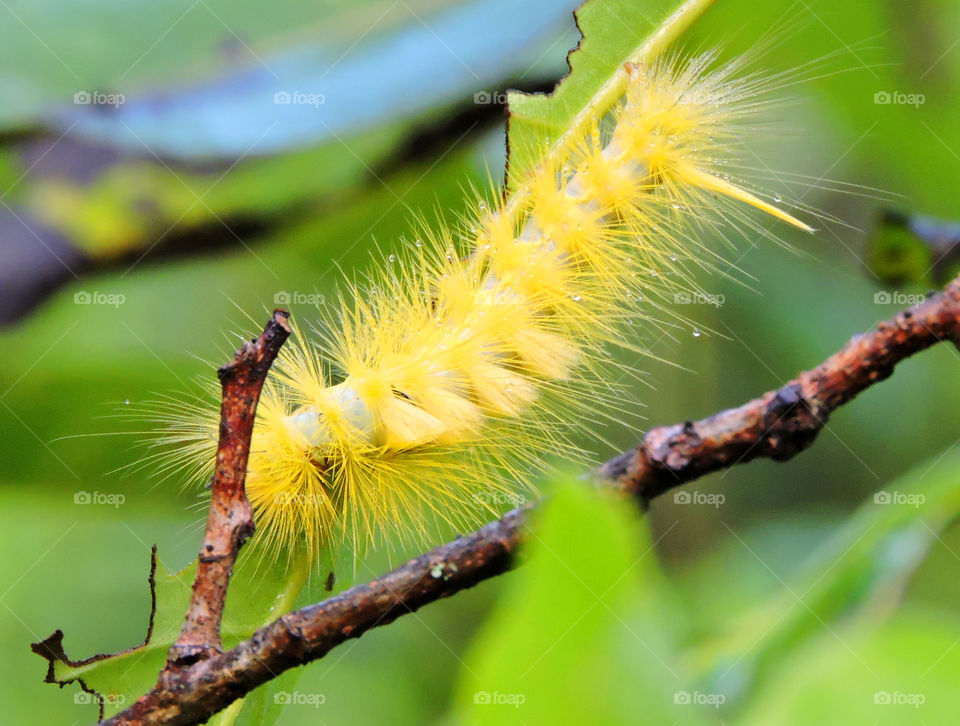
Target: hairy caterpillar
{"points": [[470, 357]]}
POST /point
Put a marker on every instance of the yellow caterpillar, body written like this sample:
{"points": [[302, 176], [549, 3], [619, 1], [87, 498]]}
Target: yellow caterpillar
{"points": [[441, 387]]}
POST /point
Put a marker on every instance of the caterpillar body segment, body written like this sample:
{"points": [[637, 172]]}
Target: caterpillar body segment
{"points": [[439, 389]]}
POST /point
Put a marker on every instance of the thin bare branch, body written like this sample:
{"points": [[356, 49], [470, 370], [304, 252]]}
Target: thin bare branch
{"points": [[230, 521]]}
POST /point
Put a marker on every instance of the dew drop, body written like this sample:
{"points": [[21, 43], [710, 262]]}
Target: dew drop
{"points": [[127, 402], [777, 198], [392, 258], [696, 332]]}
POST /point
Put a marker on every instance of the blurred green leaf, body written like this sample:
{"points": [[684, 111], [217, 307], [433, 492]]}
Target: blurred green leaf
{"points": [[588, 613], [59, 48], [860, 572], [903, 673], [333, 86]]}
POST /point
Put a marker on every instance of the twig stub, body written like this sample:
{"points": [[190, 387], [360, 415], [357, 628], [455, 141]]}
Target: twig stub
{"points": [[230, 520]]}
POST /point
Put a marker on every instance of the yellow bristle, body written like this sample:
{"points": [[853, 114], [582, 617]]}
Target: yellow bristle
{"points": [[699, 178], [444, 381]]}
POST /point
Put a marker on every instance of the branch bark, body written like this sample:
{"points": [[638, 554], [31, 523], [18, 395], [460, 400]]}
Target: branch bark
{"points": [[777, 425], [230, 520], [782, 423]]}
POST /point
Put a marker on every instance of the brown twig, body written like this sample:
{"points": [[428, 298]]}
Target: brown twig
{"points": [[784, 422], [777, 425], [230, 521]]}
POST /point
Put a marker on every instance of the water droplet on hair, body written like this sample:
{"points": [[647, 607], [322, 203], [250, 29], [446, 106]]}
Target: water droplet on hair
{"points": [[696, 333], [392, 258], [777, 198]]}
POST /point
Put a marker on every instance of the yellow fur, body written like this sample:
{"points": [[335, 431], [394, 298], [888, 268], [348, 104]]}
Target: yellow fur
{"points": [[440, 388]]}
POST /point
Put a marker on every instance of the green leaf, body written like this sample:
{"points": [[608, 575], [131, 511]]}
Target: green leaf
{"points": [[614, 32], [116, 680], [904, 673], [860, 572], [587, 614]]}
